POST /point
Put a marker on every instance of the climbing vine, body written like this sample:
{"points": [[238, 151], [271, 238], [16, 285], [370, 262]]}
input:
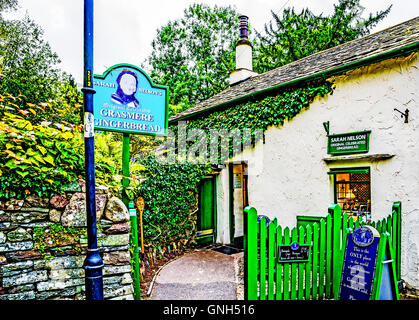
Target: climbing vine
{"points": [[171, 191]]}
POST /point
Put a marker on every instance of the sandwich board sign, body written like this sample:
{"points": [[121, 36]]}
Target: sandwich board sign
{"points": [[127, 101], [368, 268]]}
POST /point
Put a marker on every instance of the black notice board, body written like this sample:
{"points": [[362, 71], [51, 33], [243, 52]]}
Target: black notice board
{"points": [[293, 253]]}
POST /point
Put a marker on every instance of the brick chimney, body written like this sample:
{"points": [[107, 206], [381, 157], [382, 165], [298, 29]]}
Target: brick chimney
{"points": [[244, 66]]}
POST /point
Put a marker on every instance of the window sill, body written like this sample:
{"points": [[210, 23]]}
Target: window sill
{"points": [[363, 157]]}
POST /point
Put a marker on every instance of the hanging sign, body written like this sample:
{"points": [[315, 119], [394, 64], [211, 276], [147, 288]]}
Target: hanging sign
{"points": [[126, 100], [368, 271], [347, 143]]}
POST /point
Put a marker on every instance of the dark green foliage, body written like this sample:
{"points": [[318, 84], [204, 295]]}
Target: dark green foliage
{"points": [[194, 55], [170, 194], [28, 64], [8, 5], [29, 70], [37, 158], [297, 35]]}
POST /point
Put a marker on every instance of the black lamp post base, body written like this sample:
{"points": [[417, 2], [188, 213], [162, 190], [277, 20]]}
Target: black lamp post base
{"points": [[93, 275]]}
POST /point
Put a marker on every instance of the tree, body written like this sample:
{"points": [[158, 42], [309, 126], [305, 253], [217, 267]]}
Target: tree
{"points": [[297, 35], [28, 63], [8, 5], [195, 54], [29, 71]]}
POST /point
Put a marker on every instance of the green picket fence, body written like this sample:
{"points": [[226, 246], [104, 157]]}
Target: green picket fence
{"points": [[319, 277]]}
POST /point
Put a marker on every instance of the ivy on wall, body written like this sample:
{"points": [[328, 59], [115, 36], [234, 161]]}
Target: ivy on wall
{"points": [[171, 191]]}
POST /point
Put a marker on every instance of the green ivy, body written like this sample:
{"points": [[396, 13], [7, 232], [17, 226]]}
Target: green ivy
{"points": [[171, 191]]}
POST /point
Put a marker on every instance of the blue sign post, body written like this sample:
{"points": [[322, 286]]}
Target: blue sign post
{"points": [[93, 263]]}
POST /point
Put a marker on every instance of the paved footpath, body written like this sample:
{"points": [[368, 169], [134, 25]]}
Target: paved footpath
{"points": [[202, 275]]}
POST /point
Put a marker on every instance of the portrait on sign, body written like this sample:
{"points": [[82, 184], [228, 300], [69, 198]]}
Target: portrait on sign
{"points": [[127, 88], [126, 100]]}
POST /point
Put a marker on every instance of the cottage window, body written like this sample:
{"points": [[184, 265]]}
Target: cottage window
{"points": [[352, 191]]}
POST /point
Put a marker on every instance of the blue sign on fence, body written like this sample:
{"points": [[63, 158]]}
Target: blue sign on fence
{"points": [[126, 100], [359, 264]]}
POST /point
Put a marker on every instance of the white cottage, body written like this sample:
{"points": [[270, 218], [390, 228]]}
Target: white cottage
{"points": [[358, 147]]}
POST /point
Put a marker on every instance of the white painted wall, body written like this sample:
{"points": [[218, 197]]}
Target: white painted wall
{"points": [[293, 179]]}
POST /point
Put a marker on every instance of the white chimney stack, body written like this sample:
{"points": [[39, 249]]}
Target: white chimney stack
{"points": [[244, 65]]}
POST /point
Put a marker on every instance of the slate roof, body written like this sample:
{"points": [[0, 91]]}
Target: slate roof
{"points": [[396, 40]]}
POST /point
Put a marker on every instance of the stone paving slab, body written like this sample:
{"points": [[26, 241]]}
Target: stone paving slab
{"points": [[202, 275], [207, 291]]}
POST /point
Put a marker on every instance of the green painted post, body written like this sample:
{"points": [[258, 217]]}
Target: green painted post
{"points": [[252, 251], [301, 241], [271, 259], [397, 207], [286, 266], [278, 273], [335, 211], [309, 264], [125, 167], [294, 237], [134, 242], [315, 260], [322, 257], [263, 262], [328, 256]]}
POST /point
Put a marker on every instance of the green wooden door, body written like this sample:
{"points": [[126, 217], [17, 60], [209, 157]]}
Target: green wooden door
{"points": [[207, 211]]}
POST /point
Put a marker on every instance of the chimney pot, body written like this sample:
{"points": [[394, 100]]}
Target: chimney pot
{"points": [[244, 68], [244, 27]]}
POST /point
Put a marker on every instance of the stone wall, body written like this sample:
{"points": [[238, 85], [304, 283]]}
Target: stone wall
{"points": [[43, 245]]}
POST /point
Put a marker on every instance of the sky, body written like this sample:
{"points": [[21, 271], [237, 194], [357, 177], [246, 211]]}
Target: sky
{"points": [[124, 29]]}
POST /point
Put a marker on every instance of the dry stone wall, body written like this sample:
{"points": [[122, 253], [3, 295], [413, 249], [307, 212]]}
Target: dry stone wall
{"points": [[43, 245]]}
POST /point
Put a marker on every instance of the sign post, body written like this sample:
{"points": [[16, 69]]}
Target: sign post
{"points": [[127, 101], [125, 167], [136, 259], [93, 264]]}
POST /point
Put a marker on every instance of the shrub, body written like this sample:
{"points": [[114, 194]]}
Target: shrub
{"points": [[38, 158]]}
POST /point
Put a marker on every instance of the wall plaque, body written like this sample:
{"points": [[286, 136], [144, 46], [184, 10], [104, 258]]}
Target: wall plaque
{"points": [[347, 143], [293, 253]]}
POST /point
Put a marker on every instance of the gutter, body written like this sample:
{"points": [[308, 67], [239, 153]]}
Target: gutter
{"points": [[320, 75]]}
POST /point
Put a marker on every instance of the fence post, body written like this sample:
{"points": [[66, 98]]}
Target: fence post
{"points": [[397, 230], [250, 254], [335, 211], [135, 258]]}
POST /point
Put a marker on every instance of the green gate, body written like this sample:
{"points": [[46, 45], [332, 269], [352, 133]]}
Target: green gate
{"points": [[316, 278]]}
